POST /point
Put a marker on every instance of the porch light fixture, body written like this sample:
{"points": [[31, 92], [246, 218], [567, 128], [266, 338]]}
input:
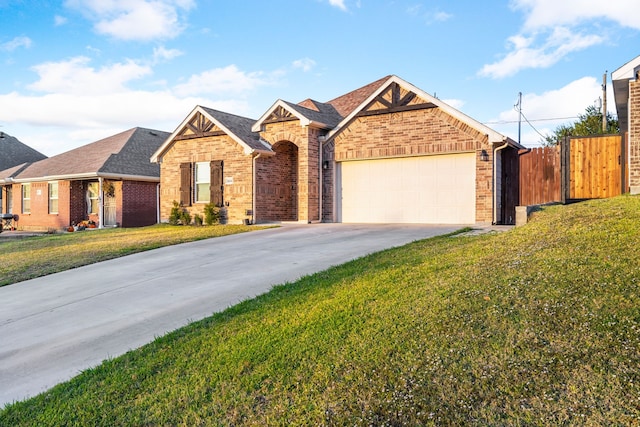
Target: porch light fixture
{"points": [[325, 164], [484, 156]]}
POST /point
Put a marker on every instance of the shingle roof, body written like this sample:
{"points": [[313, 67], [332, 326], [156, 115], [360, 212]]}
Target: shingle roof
{"points": [[348, 102], [126, 153], [322, 113], [13, 152], [11, 172], [239, 126]]}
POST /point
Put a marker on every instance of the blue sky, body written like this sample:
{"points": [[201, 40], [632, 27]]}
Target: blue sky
{"points": [[76, 71]]}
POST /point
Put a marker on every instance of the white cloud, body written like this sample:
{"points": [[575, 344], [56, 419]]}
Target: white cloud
{"points": [[142, 20], [549, 13], [455, 103], [16, 43], [59, 20], [305, 64], [526, 54], [225, 80], [75, 76], [161, 54], [73, 103], [554, 29], [339, 4], [429, 17], [551, 109], [55, 123]]}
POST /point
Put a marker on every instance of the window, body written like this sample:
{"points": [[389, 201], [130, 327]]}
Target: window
{"points": [[9, 199], [26, 198], [53, 197], [202, 182], [93, 197]]}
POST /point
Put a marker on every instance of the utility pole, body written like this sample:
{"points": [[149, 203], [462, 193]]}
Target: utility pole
{"points": [[604, 102], [519, 105]]}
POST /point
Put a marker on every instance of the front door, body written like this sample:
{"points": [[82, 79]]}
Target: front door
{"points": [[109, 211]]}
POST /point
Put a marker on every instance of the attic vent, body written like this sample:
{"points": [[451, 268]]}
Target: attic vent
{"points": [[153, 133]]}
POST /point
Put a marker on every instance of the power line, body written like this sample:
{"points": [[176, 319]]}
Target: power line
{"points": [[504, 122], [533, 127]]}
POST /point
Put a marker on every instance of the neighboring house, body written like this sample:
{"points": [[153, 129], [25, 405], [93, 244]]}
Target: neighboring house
{"points": [[110, 182], [14, 155], [626, 90], [385, 153]]}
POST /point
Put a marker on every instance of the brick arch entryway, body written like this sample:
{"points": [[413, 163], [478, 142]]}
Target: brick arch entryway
{"points": [[279, 198]]}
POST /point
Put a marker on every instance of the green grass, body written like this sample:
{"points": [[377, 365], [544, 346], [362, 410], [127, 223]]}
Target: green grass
{"points": [[31, 257], [537, 326]]}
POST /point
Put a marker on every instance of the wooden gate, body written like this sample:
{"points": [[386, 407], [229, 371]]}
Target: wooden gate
{"points": [[593, 167], [540, 176]]}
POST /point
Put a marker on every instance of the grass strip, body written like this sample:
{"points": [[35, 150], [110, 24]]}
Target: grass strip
{"points": [[538, 326]]}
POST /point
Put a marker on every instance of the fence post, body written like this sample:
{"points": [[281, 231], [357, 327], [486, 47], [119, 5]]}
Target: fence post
{"points": [[565, 165]]}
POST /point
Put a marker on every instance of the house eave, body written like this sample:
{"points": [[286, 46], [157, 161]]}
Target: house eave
{"points": [[89, 175]]}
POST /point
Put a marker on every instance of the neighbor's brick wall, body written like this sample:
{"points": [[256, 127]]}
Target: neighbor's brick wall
{"points": [[77, 202], [415, 133], [138, 202], [237, 166], [634, 136], [40, 219], [308, 185]]}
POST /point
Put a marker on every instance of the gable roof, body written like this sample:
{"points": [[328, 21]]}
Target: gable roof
{"points": [[321, 116], [376, 88], [620, 79], [347, 103], [124, 155], [13, 152], [237, 127], [7, 175]]}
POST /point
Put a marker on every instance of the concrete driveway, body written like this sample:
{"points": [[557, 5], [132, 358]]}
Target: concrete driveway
{"points": [[53, 327]]}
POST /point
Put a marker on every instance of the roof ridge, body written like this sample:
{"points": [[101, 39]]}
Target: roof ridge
{"points": [[345, 104]]}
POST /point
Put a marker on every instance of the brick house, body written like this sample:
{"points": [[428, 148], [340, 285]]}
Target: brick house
{"points": [[110, 182], [14, 155], [626, 90], [387, 152]]}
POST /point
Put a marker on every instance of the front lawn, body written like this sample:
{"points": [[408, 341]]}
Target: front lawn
{"points": [[31, 257], [537, 326]]}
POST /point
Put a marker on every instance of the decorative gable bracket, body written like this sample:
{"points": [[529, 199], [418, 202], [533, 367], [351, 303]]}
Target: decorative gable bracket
{"points": [[199, 126], [394, 99]]}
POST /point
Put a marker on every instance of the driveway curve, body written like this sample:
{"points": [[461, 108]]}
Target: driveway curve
{"points": [[53, 327]]}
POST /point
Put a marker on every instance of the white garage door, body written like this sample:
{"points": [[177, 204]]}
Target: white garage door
{"points": [[430, 189]]}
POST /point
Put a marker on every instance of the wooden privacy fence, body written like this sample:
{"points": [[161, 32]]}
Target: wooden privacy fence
{"points": [[594, 167], [540, 176], [578, 168]]}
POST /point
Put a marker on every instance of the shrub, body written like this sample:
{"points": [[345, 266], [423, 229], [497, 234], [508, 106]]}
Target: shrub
{"points": [[211, 214], [185, 217], [197, 219], [176, 214]]}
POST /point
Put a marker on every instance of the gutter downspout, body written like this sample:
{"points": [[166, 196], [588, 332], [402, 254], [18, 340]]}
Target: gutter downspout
{"points": [[158, 203], [101, 204], [320, 183], [253, 189], [495, 180]]}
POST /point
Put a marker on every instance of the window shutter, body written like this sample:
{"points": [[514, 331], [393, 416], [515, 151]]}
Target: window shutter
{"points": [[216, 185], [185, 184]]}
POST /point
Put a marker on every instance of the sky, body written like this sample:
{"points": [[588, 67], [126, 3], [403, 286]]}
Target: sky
{"points": [[76, 71]]}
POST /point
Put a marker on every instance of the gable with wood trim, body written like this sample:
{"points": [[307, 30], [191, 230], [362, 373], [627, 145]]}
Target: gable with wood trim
{"points": [[386, 152]]}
